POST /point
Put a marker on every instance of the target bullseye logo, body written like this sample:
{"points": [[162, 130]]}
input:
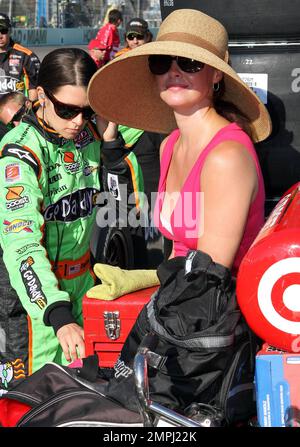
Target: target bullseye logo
{"points": [[268, 280], [281, 307]]}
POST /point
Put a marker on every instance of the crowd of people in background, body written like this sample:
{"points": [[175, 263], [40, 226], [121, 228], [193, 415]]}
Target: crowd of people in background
{"points": [[106, 45], [19, 65]]}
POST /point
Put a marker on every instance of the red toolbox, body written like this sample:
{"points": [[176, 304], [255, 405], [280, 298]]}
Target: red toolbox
{"points": [[107, 323]]}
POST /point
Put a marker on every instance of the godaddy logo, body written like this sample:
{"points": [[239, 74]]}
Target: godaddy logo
{"points": [[8, 84]]}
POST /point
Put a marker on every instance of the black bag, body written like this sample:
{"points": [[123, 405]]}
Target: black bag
{"points": [[205, 351], [60, 397]]}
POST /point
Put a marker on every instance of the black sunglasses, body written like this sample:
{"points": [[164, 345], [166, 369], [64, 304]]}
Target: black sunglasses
{"points": [[4, 30], [19, 114], [160, 64], [131, 36], [69, 111]]}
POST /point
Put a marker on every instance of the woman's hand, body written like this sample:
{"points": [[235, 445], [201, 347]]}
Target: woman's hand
{"points": [[107, 129], [71, 339]]}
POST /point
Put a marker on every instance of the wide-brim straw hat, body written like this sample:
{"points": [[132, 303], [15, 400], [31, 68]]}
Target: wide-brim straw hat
{"points": [[125, 91]]}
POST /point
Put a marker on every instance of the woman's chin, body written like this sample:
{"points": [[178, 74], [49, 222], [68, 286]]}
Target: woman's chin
{"points": [[70, 134]]}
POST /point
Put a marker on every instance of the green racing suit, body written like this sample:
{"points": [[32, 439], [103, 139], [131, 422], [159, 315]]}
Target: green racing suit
{"points": [[48, 192]]}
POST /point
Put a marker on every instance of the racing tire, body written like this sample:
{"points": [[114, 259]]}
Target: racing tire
{"points": [[113, 246]]}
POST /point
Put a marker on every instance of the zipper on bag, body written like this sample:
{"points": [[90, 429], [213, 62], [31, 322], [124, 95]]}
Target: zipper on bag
{"points": [[23, 398], [58, 398]]}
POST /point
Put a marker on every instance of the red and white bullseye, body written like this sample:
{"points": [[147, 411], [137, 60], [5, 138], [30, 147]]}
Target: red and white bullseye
{"points": [[268, 281], [290, 297]]}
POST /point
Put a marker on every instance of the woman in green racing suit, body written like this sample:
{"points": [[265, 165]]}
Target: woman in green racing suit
{"points": [[49, 182]]}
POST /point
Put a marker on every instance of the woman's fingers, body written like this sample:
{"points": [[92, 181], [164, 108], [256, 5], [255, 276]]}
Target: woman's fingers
{"points": [[71, 339], [65, 348], [111, 132], [80, 344], [107, 129], [101, 124]]}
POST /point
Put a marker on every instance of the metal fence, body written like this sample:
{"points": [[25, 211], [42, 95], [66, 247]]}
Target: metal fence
{"points": [[76, 13]]}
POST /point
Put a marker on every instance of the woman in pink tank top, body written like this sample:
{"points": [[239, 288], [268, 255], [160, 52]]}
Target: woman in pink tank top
{"points": [[185, 221], [211, 191]]}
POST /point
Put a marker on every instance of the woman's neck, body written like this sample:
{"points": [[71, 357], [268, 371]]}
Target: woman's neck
{"points": [[198, 128], [43, 120], [41, 114]]}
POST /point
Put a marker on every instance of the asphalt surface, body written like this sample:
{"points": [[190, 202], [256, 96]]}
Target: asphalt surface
{"points": [[41, 51]]}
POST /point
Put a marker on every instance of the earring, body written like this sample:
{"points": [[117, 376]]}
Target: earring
{"points": [[216, 87]]}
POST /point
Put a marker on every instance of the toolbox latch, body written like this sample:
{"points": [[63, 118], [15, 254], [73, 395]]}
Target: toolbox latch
{"points": [[112, 324]]}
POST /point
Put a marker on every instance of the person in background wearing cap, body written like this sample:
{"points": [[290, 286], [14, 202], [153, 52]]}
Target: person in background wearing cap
{"points": [[184, 86], [137, 33], [97, 52], [108, 36], [13, 106], [19, 66]]}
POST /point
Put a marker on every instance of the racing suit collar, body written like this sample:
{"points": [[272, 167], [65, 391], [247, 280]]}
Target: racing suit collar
{"points": [[44, 129]]}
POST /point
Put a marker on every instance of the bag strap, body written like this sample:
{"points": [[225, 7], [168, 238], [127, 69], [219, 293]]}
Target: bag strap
{"points": [[89, 369], [147, 347], [199, 262], [198, 342]]}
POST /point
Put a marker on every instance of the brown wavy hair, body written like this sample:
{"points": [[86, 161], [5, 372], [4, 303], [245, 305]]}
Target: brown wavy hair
{"points": [[229, 111]]}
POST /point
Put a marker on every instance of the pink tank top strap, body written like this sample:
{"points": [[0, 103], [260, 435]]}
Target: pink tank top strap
{"points": [[166, 157]]}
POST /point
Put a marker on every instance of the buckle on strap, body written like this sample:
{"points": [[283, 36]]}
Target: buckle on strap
{"points": [[155, 360]]}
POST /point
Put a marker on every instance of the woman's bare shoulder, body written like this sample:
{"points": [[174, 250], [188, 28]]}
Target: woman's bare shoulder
{"points": [[229, 155], [229, 167]]}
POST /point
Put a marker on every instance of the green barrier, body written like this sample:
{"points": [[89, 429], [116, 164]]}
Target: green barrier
{"points": [[59, 36]]}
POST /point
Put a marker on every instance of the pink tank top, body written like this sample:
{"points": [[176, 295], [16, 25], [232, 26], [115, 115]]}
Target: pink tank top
{"points": [[185, 219]]}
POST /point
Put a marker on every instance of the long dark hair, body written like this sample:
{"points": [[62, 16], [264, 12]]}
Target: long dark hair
{"points": [[229, 111], [66, 66]]}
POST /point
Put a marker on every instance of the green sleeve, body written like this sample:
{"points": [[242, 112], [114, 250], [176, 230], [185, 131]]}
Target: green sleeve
{"points": [[21, 237]]}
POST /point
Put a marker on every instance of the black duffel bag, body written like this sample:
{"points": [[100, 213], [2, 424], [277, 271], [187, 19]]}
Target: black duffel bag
{"points": [[58, 396], [205, 351]]}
